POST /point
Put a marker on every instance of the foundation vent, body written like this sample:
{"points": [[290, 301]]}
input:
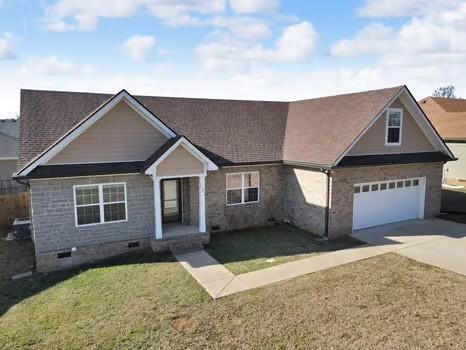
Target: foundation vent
{"points": [[63, 255], [133, 244]]}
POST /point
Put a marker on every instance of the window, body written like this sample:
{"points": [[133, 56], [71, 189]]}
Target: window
{"points": [[391, 185], [415, 182], [98, 204], [365, 188], [393, 127], [407, 183], [383, 186], [399, 184], [375, 187], [357, 189], [242, 188]]}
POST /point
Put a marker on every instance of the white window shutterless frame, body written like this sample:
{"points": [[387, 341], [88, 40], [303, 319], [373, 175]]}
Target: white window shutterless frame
{"points": [[242, 188], [100, 203], [393, 126]]}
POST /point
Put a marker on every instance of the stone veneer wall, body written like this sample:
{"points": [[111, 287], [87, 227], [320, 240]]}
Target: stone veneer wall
{"points": [[53, 219], [240, 216], [305, 198], [343, 180]]}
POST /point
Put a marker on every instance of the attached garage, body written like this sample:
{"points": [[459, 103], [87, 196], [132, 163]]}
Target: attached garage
{"points": [[383, 202]]}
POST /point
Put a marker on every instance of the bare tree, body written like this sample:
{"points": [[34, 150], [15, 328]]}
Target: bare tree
{"points": [[445, 92]]}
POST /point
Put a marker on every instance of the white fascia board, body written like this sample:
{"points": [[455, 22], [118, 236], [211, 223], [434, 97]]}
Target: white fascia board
{"points": [[87, 122]]}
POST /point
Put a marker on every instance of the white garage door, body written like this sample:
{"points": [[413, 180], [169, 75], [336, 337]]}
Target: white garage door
{"points": [[383, 202]]}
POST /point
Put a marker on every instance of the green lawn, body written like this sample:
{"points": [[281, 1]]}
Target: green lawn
{"points": [[140, 302], [257, 248]]}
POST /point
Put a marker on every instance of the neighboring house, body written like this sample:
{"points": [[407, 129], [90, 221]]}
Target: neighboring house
{"points": [[9, 130], [449, 118], [107, 173]]}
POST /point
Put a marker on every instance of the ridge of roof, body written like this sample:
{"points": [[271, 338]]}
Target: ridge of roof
{"points": [[214, 98]]}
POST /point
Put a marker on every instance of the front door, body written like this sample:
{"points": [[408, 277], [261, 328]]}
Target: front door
{"points": [[171, 202]]}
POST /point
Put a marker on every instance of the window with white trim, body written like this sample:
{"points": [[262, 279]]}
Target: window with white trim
{"points": [[393, 126], [242, 188], [101, 203]]}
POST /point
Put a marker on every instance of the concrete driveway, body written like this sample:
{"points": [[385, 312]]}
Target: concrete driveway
{"points": [[435, 242]]}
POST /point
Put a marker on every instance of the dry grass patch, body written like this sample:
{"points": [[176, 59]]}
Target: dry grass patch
{"points": [[387, 302]]}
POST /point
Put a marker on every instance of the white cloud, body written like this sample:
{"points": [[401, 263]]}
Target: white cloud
{"points": [[53, 65], [296, 44], [375, 37], [254, 6], [247, 28], [6, 46], [66, 15], [441, 31], [404, 8], [139, 47]]}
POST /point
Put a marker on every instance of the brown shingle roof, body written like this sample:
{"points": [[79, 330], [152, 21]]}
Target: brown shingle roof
{"points": [[319, 130], [311, 131], [448, 116]]}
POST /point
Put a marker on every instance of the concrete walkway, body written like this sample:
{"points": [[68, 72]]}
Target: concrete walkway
{"points": [[437, 242], [207, 271], [220, 282]]}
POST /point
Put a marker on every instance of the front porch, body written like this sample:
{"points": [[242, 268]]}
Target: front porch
{"points": [[176, 230], [179, 173]]}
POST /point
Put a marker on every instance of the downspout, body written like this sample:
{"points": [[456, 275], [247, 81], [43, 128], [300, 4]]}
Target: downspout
{"points": [[327, 205]]}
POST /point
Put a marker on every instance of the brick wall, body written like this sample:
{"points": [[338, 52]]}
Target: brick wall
{"points": [[305, 198], [343, 180], [53, 211], [239, 216]]}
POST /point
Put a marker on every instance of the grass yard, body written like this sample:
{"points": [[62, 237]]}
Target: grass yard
{"points": [[15, 256], [257, 248], [139, 302]]}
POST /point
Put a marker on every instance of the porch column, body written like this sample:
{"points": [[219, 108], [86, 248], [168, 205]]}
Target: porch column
{"points": [[202, 228], [157, 208]]}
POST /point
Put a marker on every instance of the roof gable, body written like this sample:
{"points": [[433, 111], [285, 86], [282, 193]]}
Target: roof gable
{"points": [[413, 138], [412, 107], [121, 135], [185, 153], [318, 131], [90, 120]]}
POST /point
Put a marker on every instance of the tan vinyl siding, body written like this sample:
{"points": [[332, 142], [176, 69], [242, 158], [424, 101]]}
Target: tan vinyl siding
{"points": [[456, 170], [412, 138], [121, 135], [180, 162]]}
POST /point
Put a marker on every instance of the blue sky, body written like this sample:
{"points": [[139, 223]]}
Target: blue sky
{"points": [[249, 49]]}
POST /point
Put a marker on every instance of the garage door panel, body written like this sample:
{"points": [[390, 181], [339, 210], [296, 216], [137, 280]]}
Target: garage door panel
{"points": [[380, 207]]}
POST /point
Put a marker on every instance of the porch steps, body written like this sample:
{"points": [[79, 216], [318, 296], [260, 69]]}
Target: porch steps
{"points": [[186, 244]]}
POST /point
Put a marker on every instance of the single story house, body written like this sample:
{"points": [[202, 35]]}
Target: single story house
{"points": [[108, 173], [449, 118], [9, 131]]}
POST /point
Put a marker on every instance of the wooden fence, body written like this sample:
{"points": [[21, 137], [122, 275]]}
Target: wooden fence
{"points": [[14, 202]]}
